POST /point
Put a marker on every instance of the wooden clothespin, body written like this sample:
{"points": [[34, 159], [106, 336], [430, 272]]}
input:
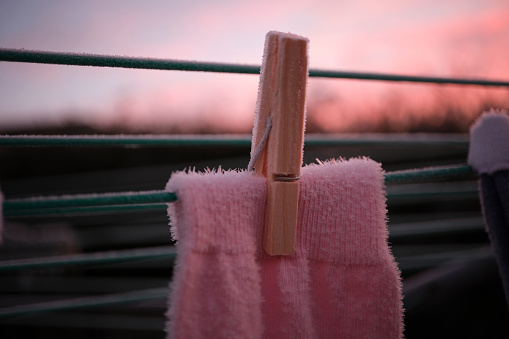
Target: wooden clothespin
{"points": [[282, 98]]}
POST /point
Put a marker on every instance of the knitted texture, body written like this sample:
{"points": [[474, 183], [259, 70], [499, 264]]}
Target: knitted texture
{"points": [[489, 142], [342, 281]]}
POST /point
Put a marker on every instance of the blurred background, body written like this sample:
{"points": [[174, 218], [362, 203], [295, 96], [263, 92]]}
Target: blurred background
{"points": [[451, 283], [453, 38]]}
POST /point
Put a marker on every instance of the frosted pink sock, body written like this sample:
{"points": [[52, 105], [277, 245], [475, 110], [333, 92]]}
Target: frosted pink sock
{"points": [[216, 290], [342, 282]]}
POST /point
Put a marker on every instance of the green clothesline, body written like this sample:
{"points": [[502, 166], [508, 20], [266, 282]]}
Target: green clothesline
{"points": [[124, 141], [109, 257], [108, 201], [424, 174], [82, 59], [312, 140], [85, 302], [88, 203], [76, 211]]}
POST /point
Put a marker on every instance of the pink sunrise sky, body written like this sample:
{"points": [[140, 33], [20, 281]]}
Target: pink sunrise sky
{"points": [[453, 38]]}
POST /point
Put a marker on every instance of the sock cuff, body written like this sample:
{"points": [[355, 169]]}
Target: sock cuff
{"points": [[341, 217]]}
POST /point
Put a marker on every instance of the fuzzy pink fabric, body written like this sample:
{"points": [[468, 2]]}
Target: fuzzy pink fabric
{"points": [[342, 282]]}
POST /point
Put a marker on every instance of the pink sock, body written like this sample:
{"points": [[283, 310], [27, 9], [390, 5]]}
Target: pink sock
{"points": [[341, 282]]}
